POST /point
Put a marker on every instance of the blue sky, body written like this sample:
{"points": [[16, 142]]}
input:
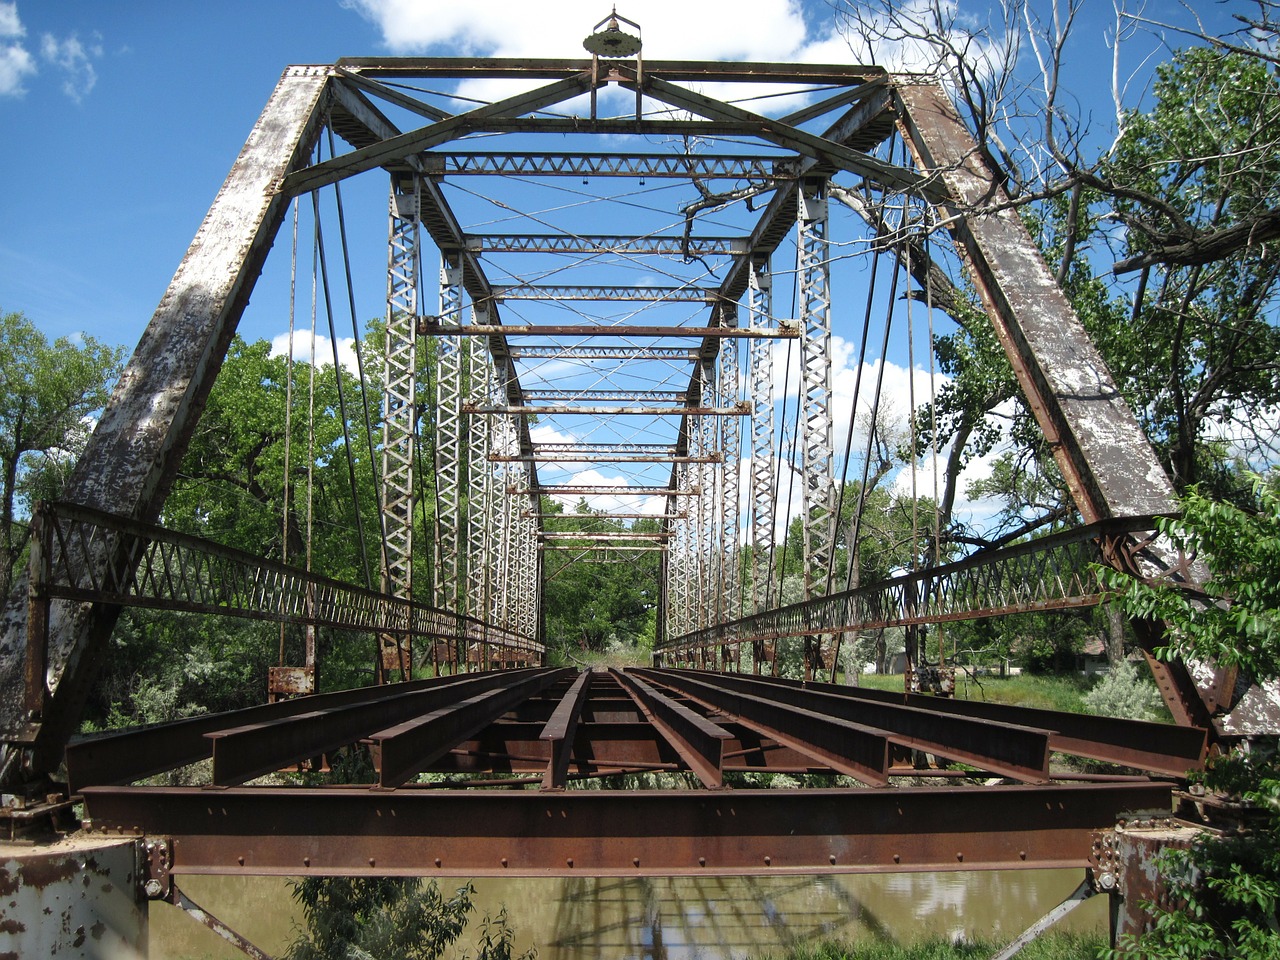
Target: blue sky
{"points": [[119, 134], [121, 120]]}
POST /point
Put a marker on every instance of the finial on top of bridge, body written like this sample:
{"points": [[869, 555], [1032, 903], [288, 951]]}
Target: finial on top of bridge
{"points": [[613, 41]]}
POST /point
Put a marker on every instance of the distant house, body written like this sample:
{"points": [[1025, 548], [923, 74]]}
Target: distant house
{"points": [[1093, 658]]}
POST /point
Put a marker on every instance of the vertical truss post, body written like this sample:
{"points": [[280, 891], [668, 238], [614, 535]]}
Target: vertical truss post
{"points": [[450, 469], [819, 486], [529, 575], [679, 569], [760, 304], [710, 594], [503, 513], [399, 412], [479, 493], [730, 393]]}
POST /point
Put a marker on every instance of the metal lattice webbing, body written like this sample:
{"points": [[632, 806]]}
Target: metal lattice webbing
{"points": [[762, 441], [730, 390], [477, 544], [1052, 573], [449, 462], [815, 371], [399, 409], [96, 557]]}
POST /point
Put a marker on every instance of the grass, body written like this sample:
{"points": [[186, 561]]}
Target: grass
{"points": [[1051, 946], [1025, 690]]}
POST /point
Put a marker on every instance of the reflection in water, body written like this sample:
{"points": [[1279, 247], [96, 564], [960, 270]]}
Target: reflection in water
{"points": [[674, 918]]}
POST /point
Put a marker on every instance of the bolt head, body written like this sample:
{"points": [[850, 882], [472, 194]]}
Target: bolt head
{"points": [[153, 889]]}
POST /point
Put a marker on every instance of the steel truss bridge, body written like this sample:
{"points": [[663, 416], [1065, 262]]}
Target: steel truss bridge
{"points": [[635, 362]]}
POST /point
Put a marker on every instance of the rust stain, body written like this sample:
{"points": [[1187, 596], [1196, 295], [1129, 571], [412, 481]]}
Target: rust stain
{"points": [[97, 930], [43, 873], [8, 882], [11, 926]]}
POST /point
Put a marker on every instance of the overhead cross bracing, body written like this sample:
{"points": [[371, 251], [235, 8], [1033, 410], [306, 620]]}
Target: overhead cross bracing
{"points": [[520, 283]]}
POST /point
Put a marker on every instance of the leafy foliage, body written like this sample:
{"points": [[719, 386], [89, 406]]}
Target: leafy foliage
{"points": [[48, 392], [1236, 622], [592, 605], [353, 918], [1124, 693], [1230, 885]]}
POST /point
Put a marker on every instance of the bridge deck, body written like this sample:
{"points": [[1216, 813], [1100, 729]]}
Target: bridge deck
{"points": [[493, 772]]}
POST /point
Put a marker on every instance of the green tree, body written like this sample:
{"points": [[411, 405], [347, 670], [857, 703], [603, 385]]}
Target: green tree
{"points": [[231, 490], [589, 605], [48, 395], [384, 918], [1204, 148], [1229, 885]]}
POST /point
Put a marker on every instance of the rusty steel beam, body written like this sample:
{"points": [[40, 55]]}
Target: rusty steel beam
{"points": [[699, 742], [515, 747], [561, 730], [422, 832], [786, 331], [853, 749], [120, 758], [408, 747], [745, 71], [683, 166], [1008, 747], [1158, 747], [247, 751]]}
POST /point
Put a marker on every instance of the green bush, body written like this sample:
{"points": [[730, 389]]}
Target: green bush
{"points": [[1125, 693]]}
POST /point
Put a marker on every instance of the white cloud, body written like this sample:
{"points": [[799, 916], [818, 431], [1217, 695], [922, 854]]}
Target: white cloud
{"points": [[10, 24], [323, 350], [609, 502], [769, 30], [16, 62], [671, 29], [75, 59]]}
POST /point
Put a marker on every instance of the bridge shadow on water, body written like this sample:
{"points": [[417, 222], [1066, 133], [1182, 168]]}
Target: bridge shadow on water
{"points": [[673, 918], [668, 918], [738, 917]]}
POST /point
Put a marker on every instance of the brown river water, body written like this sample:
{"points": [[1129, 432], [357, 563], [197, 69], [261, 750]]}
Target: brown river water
{"points": [[678, 917]]}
